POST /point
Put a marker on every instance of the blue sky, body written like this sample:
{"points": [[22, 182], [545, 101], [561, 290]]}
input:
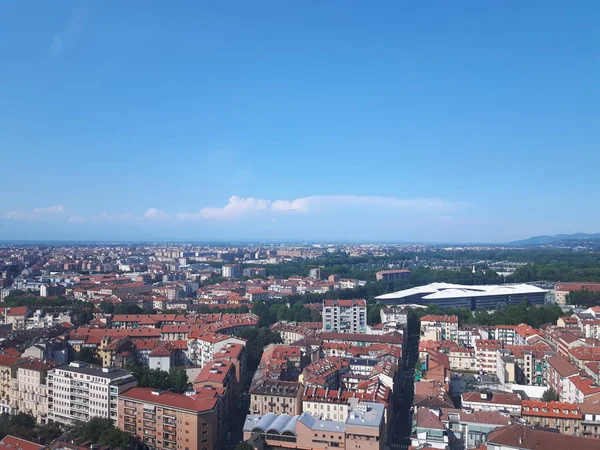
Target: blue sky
{"points": [[338, 120]]}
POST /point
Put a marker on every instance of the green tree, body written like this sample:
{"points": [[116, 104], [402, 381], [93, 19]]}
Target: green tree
{"points": [[550, 395], [244, 446], [87, 355], [107, 307]]}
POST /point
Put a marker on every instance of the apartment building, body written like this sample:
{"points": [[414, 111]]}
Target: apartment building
{"points": [[8, 371], [486, 355], [391, 275], [29, 390], [521, 437], [492, 401], [462, 359], [564, 417], [447, 324], [559, 371], [454, 428], [165, 420], [396, 316], [504, 333], [345, 316], [232, 271], [579, 389], [325, 373], [203, 346], [80, 391], [278, 397]]}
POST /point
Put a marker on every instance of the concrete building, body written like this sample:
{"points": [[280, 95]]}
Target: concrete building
{"points": [[391, 275], [232, 271], [80, 391], [165, 420], [345, 316], [394, 316]]}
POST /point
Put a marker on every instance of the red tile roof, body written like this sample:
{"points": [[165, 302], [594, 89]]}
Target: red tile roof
{"points": [[169, 399], [345, 303], [562, 366], [451, 319], [17, 311], [586, 386], [15, 443], [550, 409]]}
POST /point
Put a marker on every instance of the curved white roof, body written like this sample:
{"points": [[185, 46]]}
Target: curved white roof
{"points": [[438, 291]]}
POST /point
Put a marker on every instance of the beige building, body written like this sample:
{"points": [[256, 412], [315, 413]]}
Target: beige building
{"points": [[277, 397], [8, 371], [564, 417], [29, 391], [462, 359], [164, 420]]}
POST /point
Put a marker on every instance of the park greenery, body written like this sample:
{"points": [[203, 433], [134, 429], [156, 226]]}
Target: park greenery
{"points": [[24, 426], [550, 395], [102, 431], [584, 298], [257, 339], [175, 380], [532, 315]]}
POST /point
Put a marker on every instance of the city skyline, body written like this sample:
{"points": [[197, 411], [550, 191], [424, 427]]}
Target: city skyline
{"points": [[272, 122]]}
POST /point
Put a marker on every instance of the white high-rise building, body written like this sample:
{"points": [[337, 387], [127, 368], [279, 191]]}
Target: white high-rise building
{"points": [[80, 391], [345, 316]]}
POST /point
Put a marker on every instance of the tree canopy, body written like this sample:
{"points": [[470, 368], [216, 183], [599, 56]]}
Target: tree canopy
{"points": [[175, 380], [102, 431], [550, 395]]}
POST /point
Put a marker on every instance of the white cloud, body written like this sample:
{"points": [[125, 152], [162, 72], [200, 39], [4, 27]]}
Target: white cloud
{"points": [[70, 32], [50, 209], [36, 213], [238, 206], [109, 217], [155, 213], [76, 219]]}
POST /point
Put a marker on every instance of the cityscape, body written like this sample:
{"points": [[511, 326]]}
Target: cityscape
{"points": [[298, 346], [270, 225]]}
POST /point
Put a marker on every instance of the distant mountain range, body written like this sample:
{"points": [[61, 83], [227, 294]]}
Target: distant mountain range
{"points": [[558, 239]]}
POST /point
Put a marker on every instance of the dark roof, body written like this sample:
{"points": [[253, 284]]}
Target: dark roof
{"points": [[94, 370], [523, 437]]}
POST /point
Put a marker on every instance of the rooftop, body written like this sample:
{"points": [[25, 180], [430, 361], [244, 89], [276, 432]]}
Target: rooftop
{"points": [[449, 290], [97, 371]]}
